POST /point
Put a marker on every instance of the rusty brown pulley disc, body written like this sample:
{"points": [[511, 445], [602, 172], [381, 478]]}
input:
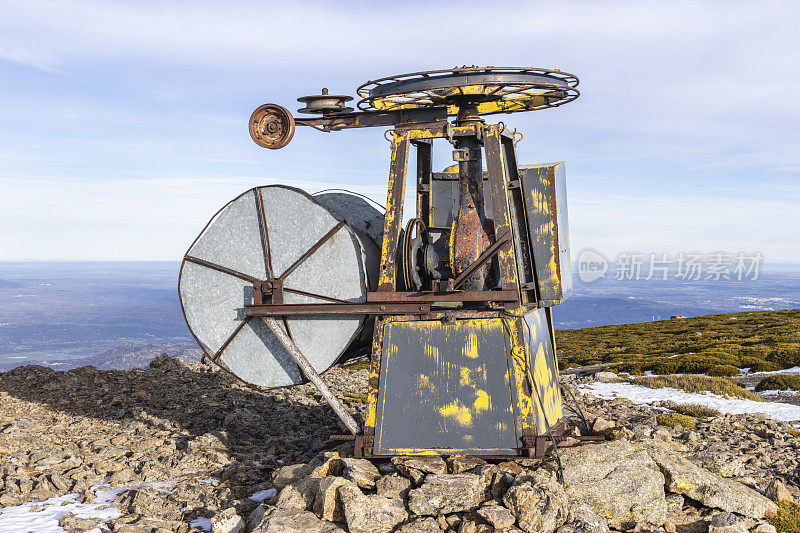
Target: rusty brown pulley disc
{"points": [[271, 126]]}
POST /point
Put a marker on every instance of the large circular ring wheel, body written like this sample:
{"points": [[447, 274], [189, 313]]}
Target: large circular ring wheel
{"points": [[269, 234], [490, 89], [271, 126]]}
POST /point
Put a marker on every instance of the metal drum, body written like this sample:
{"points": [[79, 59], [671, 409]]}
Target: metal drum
{"points": [[272, 233], [365, 219]]}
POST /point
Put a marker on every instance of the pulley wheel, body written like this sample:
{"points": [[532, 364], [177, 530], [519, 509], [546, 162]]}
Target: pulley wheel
{"points": [[271, 126], [487, 90], [267, 234]]}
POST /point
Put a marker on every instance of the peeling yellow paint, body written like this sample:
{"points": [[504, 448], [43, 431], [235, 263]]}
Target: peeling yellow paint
{"points": [[458, 412], [465, 377], [471, 347], [481, 403]]}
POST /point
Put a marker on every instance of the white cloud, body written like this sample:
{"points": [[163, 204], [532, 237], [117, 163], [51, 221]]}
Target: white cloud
{"points": [[138, 90]]}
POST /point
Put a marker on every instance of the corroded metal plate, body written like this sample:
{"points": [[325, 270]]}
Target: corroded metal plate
{"points": [[446, 388]]}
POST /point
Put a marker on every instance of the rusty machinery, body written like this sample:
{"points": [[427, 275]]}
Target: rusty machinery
{"points": [[457, 303]]}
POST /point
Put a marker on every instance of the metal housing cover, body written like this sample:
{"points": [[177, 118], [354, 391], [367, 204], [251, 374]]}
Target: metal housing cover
{"points": [[544, 188]]}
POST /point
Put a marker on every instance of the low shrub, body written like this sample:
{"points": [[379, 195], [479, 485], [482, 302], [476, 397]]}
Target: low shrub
{"points": [[779, 382], [764, 366], [788, 518], [723, 370], [667, 366], [672, 420]]}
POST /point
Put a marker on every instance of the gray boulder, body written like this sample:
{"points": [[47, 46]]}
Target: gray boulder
{"points": [[294, 521], [361, 471], [581, 519], [428, 464], [370, 514], [539, 503], [393, 486], [420, 525], [445, 494], [727, 523], [497, 515], [685, 477], [618, 480], [607, 377]]}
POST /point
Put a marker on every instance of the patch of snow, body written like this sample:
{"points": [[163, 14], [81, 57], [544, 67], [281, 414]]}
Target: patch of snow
{"points": [[22, 518], [746, 370], [209, 481], [645, 396], [201, 523], [262, 495], [648, 372]]}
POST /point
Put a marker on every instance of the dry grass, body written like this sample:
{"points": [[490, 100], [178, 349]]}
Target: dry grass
{"points": [[692, 409], [690, 383], [354, 397], [673, 420], [356, 364]]}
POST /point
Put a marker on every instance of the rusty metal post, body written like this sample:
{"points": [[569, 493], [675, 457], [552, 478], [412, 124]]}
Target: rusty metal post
{"points": [[471, 232], [312, 375]]}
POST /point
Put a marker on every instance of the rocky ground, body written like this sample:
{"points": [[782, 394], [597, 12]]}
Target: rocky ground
{"points": [[183, 447]]}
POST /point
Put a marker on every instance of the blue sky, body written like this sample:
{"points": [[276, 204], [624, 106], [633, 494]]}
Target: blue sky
{"points": [[123, 126]]}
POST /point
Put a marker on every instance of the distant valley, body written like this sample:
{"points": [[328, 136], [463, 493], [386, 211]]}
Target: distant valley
{"points": [[122, 314]]}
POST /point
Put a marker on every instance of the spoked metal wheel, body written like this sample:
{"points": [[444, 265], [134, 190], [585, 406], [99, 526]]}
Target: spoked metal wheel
{"points": [[272, 235]]}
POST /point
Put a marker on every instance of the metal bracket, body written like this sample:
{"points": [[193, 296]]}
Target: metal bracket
{"points": [[466, 154], [312, 374]]}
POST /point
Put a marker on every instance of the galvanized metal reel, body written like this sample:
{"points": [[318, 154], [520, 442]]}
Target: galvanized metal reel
{"points": [[269, 236]]}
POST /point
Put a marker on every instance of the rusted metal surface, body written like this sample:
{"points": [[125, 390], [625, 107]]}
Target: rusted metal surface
{"points": [[501, 217], [324, 103], [481, 260], [271, 126], [458, 296], [337, 309], [522, 263], [471, 229], [370, 119], [545, 193], [387, 280], [493, 89]]}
